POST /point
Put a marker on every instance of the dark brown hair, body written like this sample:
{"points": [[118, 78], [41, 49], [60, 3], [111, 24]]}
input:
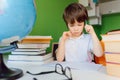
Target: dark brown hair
{"points": [[75, 11]]}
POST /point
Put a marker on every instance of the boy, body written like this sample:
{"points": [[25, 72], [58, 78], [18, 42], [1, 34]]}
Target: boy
{"points": [[74, 45]]}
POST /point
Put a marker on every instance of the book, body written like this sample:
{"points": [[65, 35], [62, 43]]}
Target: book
{"points": [[28, 52], [113, 69], [112, 46], [112, 37], [112, 57], [33, 45], [117, 31], [30, 62], [30, 49], [40, 57], [36, 39]]}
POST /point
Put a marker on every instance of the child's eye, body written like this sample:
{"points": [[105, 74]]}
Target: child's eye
{"points": [[80, 25], [71, 25]]}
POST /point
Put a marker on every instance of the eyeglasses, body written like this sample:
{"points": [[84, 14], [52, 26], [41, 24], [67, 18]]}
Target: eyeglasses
{"points": [[59, 70]]}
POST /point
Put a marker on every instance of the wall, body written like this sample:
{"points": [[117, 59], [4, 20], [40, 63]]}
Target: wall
{"points": [[110, 22], [49, 18]]}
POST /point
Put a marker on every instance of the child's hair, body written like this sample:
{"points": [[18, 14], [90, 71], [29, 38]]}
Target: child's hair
{"points": [[75, 12]]}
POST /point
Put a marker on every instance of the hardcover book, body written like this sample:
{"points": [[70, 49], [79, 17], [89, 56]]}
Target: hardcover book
{"points": [[29, 49], [28, 52], [112, 46], [36, 39], [33, 45], [113, 69], [112, 37], [30, 62], [112, 57], [30, 57], [117, 31]]}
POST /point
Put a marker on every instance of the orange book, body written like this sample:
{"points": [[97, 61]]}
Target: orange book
{"points": [[36, 39]]}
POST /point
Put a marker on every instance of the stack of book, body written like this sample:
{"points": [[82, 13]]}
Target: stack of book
{"points": [[112, 52], [31, 50]]}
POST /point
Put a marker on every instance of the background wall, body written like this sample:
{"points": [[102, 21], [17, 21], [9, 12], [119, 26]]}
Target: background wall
{"points": [[109, 22], [49, 20]]}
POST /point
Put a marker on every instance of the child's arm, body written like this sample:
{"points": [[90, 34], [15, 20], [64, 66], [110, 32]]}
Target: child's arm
{"points": [[97, 48], [61, 47]]}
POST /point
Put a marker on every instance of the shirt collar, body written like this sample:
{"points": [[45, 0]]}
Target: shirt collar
{"points": [[80, 37]]}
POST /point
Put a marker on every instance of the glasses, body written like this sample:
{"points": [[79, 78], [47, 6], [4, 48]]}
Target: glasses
{"points": [[59, 70]]}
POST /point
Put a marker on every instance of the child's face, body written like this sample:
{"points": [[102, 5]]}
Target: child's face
{"points": [[76, 29]]}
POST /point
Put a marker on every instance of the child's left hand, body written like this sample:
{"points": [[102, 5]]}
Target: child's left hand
{"points": [[89, 29]]}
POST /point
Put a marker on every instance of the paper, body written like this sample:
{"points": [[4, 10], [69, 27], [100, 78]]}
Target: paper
{"points": [[76, 65]]}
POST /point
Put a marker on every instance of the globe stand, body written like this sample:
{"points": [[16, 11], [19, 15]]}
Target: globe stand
{"points": [[8, 73]]}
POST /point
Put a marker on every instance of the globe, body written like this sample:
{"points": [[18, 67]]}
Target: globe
{"points": [[17, 18]]}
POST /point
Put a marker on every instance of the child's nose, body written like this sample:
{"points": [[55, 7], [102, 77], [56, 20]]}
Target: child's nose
{"points": [[76, 27]]}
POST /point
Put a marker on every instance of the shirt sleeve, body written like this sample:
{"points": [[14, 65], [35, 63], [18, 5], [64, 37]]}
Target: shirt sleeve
{"points": [[90, 44], [59, 39]]}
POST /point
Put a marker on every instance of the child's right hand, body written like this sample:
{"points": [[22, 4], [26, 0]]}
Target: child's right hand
{"points": [[66, 35], [89, 29]]}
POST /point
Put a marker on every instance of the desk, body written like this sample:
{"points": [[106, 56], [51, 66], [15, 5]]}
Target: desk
{"points": [[76, 74]]}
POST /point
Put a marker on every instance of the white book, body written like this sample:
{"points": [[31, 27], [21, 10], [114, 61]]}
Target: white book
{"points": [[38, 37], [30, 57], [112, 37], [28, 52], [30, 49], [33, 45], [29, 62], [112, 46]]}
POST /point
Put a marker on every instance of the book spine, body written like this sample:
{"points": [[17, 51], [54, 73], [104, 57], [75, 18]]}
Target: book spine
{"points": [[30, 49], [113, 69], [29, 58], [28, 52], [29, 62], [113, 32], [112, 37], [33, 45]]}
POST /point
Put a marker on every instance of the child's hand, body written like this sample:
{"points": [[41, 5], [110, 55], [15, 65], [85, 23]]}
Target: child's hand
{"points": [[66, 35], [89, 29]]}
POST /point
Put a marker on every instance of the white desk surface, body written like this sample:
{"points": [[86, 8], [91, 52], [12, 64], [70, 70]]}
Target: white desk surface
{"points": [[77, 74]]}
